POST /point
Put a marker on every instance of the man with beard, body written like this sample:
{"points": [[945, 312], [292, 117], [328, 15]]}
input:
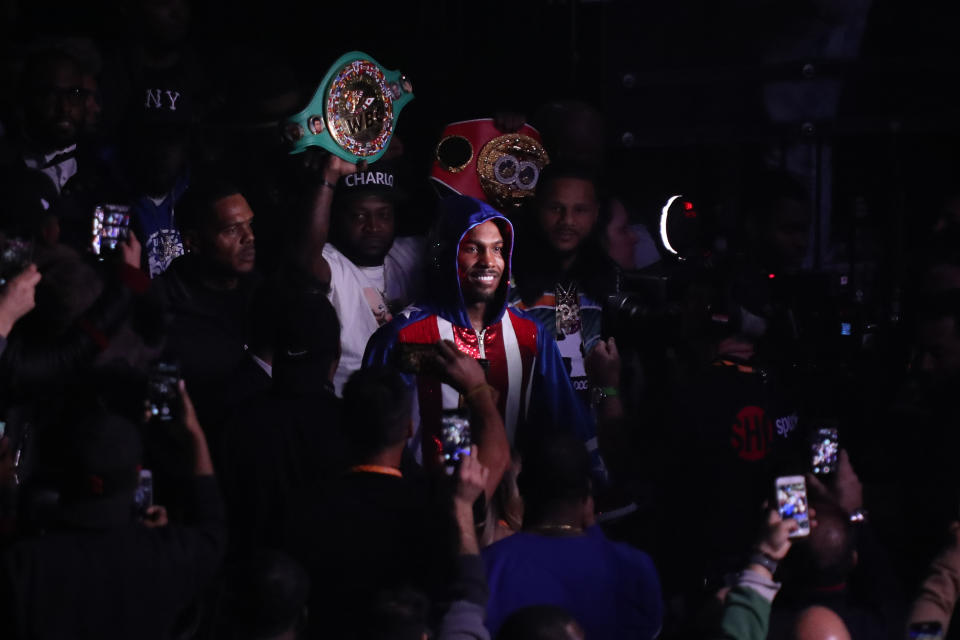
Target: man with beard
{"points": [[52, 101], [563, 273], [467, 306]]}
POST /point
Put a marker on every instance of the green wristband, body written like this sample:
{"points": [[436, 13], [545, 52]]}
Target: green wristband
{"points": [[601, 393]]}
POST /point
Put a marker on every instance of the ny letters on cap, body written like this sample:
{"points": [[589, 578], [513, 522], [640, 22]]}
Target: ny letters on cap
{"points": [[474, 158], [354, 112]]}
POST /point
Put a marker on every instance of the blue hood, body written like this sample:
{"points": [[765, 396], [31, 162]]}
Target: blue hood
{"points": [[457, 216]]}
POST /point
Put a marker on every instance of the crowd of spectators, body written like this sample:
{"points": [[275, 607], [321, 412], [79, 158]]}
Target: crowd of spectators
{"points": [[235, 421]]}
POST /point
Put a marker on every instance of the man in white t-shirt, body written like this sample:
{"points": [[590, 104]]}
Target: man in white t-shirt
{"points": [[372, 273]]}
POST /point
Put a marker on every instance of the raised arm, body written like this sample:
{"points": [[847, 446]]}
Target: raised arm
{"points": [[310, 254], [746, 608], [17, 298]]}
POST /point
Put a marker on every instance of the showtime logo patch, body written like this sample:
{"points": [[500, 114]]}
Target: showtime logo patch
{"points": [[752, 434]]}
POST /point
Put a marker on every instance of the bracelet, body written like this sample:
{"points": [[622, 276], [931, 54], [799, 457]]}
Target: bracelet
{"points": [[858, 515], [602, 393], [478, 388], [764, 561], [325, 183]]}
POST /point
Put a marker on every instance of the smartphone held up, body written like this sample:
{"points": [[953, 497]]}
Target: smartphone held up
{"points": [[162, 392], [15, 257], [143, 496], [824, 451], [792, 503], [455, 438], [415, 357], [111, 225]]}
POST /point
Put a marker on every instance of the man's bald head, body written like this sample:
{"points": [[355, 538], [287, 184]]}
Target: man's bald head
{"points": [[819, 623], [831, 547], [829, 555]]}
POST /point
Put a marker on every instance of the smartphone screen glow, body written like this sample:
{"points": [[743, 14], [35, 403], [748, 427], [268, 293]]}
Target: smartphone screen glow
{"points": [[792, 502]]}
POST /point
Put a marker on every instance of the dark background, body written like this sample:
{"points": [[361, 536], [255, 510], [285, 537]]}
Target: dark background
{"points": [[691, 108]]}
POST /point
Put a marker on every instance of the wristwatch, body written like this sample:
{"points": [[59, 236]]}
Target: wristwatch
{"points": [[765, 561], [601, 393]]}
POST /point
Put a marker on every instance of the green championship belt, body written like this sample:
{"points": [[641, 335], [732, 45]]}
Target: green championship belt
{"points": [[354, 112]]}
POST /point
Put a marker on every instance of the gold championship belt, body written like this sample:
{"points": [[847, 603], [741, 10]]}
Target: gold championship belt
{"points": [[474, 158], [353, 113]]}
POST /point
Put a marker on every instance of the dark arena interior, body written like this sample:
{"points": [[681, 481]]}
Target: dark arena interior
{"points": [[541, 319]]}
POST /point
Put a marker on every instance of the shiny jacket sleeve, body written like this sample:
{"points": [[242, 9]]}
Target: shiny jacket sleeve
{"points": [[554, 405], [380, 346]]}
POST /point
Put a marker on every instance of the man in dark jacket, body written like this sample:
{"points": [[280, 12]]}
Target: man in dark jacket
{"points": [[207, 292], [52, 105], [377, 528], [100, 573], [78, 316], [53, 181], [277, 447]]}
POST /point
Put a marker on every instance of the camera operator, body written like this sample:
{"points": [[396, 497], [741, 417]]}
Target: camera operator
{"points": [[802, 324], [776, 222]]}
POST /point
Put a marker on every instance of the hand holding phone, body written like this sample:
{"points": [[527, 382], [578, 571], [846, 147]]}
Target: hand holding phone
{"points": [[162, 397], [111, 224], [774, 543], [459, 370], [416, 357], [15, 257], [792, 503], [17, 297], [824, 451], [842, 487], [471, 478], [143, 496], [454, 438]]}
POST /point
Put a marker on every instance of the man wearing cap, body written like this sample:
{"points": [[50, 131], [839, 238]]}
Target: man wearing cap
{"points": [[371, 272]]}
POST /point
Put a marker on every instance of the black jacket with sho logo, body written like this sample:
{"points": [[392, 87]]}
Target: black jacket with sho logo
{"points": [[732, 433]]}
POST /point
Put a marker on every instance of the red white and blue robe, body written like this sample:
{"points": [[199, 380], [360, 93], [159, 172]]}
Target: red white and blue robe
{"points": [[525, 366]]}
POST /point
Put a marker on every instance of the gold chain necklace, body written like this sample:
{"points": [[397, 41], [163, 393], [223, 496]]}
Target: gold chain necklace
{"points": [[557, 529], [567, 310]]}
